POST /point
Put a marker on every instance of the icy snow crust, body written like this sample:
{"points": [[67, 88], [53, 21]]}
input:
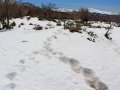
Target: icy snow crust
{"points": [[55, 59]]}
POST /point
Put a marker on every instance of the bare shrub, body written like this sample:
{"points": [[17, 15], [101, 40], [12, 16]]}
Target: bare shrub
{"points": [[78, 27], [28, 18], [12, 24], [22, 24], [73, 27], [38, 27], [46, 27], [84, 15], [107, 34], [19, 26], [50, 25], [59, 23], [98, 26], [91, 39], [54, 20], [30, 24], [90, 33], [118, 25], [70, 25]]}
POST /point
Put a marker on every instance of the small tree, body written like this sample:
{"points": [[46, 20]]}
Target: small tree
{"points": [[84, 15], [47, 9], [6, 12]]}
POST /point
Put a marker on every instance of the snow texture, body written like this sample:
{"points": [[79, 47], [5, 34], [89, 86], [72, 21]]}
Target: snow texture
{"points": [[55, 59]]}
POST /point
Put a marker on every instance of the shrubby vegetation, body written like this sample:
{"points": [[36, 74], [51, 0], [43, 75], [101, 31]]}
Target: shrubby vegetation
{"points": [[72, 26], [38, 27], [107, 34], [59, 23]]}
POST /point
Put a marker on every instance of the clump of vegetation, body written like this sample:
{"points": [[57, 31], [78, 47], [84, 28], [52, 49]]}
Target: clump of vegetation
{"points": [[40, 18], [107, 34], [22, 24], [91, 39], [54, 20], [78, 27], [73, 27], [118, 24], [86, 24], [12, 24], [5, 26], [92, 36], [108, 28], [49, 25], [28, 17], [70, 25], [78, 21], [30, 24], [19, 26], [38, 27], [46, 27], [90, 33], [59, 23], [98, 26]]}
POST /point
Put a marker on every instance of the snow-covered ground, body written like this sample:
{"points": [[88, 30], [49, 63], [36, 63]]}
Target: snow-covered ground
{"points": [[35, 60]]}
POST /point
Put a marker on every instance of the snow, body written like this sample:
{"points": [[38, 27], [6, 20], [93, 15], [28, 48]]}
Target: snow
{"points": [[91, 10], [65, 10], [30, 59]]}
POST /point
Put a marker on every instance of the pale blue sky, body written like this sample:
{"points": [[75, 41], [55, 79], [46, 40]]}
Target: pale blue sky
{"points": [[109, 5]]}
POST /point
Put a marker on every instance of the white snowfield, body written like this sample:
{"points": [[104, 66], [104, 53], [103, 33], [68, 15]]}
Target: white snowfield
{"points": [[55, 59]]}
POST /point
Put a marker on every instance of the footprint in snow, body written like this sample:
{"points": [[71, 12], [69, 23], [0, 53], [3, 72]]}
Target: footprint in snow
{"points": [[24, 41], [11, 75], [22, 61], [91, 79], [36, 52], [10, 86], [117, 50], [21, 68]]}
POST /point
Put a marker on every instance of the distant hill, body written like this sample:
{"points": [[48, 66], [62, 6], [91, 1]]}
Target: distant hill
{"points": [[91, 10]]}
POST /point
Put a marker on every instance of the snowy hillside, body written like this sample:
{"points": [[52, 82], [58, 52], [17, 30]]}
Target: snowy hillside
{"points": [[65, 10], [56, 59], [92, 10]]}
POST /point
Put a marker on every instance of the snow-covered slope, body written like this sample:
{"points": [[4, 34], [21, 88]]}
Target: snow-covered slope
{"points": [[65, 10], [92, 10], [35, 60]]}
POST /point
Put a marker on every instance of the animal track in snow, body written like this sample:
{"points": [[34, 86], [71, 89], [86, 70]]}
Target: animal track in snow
{"points": [[91, 79], [11, 75], [10, 86], [89, 76]]}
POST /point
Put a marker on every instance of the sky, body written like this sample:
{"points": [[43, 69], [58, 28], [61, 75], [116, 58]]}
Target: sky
{"points": [[108, 5]]}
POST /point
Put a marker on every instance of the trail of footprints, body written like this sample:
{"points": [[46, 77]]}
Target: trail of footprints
{"points": [[12, 85], [12, 75], [91, 79], [89, 76]]}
